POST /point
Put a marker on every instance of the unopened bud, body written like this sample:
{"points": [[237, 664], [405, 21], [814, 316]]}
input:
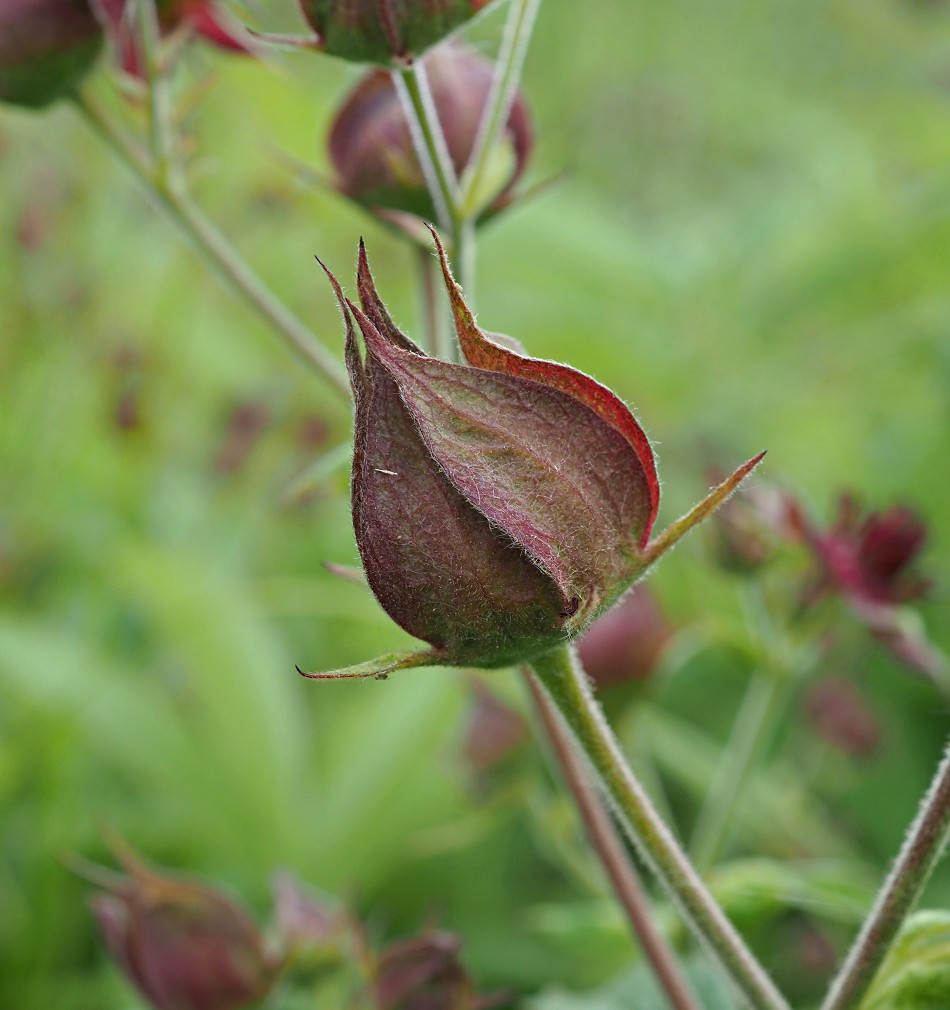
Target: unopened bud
{"points": [[46, 48], [370, 143], [385, 31]]}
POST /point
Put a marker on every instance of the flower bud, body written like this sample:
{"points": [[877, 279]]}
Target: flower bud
{"points": [[499, 505], [425, 973], [385, 31], [46, 48], [840, 714], [184, 946], [370, 144]]}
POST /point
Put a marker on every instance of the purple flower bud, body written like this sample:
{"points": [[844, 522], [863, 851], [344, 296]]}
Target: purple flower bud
{"points": [[46, 48], [385, 31], [425, 973], [499, 505], [371, 148], [840, 714], [184, 946]]}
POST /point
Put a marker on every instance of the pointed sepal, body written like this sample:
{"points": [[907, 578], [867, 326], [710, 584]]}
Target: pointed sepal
{"points": [[380, 667]]}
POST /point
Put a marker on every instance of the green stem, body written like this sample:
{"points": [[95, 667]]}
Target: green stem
{"points": [[412, 86], [219, 255], [753, 726], [508, 68], [612, 854], [923, 847], [569, 690], [159, 103]]}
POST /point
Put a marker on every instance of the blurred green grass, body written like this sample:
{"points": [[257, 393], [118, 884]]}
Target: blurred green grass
{"points": [[752, 246]]}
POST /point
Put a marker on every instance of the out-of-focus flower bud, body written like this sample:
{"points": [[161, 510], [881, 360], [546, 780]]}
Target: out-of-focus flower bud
{"points": [[749, 528], [868, 560], [425, 973], [492, 730], [626, 644], [303, 921], [46, 48], [205, 18], [245, 426], [500, 505], [371, 148], [183, 945], [840, 715], [385, 31]]}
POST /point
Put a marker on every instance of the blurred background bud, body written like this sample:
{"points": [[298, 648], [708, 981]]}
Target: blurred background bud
{"points": [[46, 48], [493, 729], [749, 527], [626, 644], [371, 148], [426, 973], [840, 715], [184, 946], [245, 426], [305, 922], [385, 31]]}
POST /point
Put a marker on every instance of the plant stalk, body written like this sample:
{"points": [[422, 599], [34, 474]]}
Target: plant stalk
{"points": [[612, 854], [923, 847], [508, 68], [219, 254], [561, 674]]}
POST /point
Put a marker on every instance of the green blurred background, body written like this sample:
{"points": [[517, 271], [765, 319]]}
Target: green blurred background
{"points": [[751, 245]]}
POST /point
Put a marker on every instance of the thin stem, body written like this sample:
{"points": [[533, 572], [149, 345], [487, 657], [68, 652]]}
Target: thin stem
{"points": [[612, 855], [750, 732], [412, 87], [219, 255], [565, 682], [159, 102], [508, 67], [923, 847]]}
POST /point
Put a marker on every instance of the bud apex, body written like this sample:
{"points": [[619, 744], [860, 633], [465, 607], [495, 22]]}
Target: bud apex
{"points": [[385, 31], [184, 946], [46, 48], [371, 148]]}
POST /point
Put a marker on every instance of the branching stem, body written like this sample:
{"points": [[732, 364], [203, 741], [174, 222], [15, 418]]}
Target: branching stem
{"points": [[567, 686]]}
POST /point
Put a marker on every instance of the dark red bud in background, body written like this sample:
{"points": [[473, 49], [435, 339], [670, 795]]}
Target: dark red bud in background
{"points": [[46, 48], [371, 149], [426, 973], [840, 714], [385, 31], [184, 946], [749, 528], [627, 642], [492, 730]]}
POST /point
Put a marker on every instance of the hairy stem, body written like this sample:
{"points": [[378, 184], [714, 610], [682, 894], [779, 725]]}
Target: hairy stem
{"points": [[508, 67], [219, 255], [923, 847], [565, 682], [612, 854]]}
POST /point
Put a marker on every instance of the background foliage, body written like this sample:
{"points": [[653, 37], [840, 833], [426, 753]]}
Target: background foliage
{"points": [[752, 245]]}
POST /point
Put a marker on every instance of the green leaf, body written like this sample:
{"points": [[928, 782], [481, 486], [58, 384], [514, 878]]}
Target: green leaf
{"points": [[916, 973]]}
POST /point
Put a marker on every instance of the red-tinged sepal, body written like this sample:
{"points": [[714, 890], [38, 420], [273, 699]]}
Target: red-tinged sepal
{"points": [[493, 352]]}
